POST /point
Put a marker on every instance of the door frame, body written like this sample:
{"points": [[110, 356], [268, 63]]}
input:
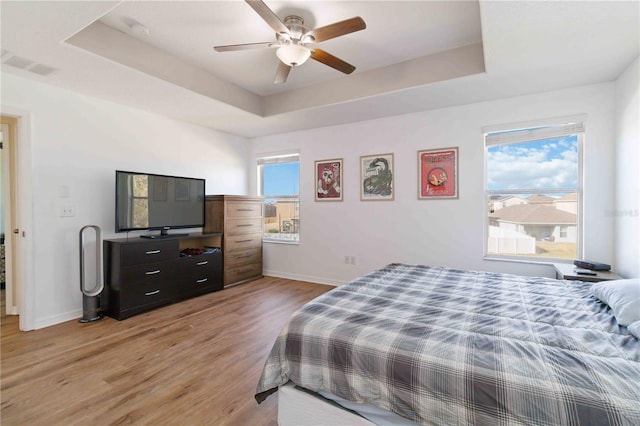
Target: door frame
{"points": [[25, 260], [11, 241]]}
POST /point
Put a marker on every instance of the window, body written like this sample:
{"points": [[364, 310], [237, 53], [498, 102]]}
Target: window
{"points": [[533, 191], [564, 231], [279, 184], [140, 211]]}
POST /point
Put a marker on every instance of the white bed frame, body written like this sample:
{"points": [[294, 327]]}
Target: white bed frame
{"points": [[299, 408]]}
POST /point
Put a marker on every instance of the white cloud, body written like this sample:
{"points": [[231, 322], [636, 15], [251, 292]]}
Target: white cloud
{"points": [[534, 165]]}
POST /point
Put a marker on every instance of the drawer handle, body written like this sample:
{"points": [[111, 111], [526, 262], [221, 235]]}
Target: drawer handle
{"points": [[204, 262], [153, 252], [204, 280], [244, 241], [244, 210], [241, 256], [157, 271], [245, 224], [151, 293]]}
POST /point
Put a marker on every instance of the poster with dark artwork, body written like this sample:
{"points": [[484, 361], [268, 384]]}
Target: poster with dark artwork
{"points": [[182, 190], [160, 185], [438, 173], [376, 177], [328, 180]]}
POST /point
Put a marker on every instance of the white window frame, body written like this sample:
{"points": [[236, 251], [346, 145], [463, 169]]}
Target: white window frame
{"points": [[531, 131], [278, 158]]}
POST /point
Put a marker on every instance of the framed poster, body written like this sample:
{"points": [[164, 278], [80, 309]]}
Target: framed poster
{"points": [[160, 185], [182, 190], [376, 177], [438, 173], [328, 181]]}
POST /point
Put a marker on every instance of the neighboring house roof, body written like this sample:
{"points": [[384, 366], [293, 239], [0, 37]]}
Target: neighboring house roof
{"points": [[502, 197], [540, 199], [534, 214], [569, 197]]}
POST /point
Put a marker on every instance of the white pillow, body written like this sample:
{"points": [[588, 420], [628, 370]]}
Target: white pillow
{"points": [[634, 328], [622, 296]]}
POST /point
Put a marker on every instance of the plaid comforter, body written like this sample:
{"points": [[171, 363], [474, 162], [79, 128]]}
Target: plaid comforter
{"points": [[452, 347]]}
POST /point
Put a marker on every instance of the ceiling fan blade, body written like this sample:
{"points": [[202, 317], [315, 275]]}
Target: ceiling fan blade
{"points": [[246, 46], [282, 73], [268, 16], [334, 30], [332, 61]]}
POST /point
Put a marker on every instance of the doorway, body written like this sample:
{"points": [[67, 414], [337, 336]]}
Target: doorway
{"points": [[8, 216]]}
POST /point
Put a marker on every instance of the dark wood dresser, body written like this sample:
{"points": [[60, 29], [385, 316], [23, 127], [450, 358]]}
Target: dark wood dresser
{"points": [[142, 274]]}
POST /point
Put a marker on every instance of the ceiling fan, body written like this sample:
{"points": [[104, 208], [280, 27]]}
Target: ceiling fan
{"points": [[293, 38]]}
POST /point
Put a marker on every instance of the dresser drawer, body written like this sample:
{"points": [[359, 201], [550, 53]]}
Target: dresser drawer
{"points": [[237, 209], [147, 272], [243, 226], [203, 261], [145, 252], [239, 242], [200, 274], [146, 284], [242, 257], [242, 272], [201, 284]]}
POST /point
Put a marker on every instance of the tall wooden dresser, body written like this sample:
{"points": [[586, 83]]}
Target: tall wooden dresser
{"points": [[240, 219]]}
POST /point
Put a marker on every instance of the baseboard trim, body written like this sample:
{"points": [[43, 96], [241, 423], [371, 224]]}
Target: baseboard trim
{"points": [[57, 319], [11, 310], [76, 314], [297, 277]]}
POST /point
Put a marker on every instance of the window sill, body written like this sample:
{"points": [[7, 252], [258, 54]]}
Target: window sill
{"points": [[291, 243], [530, 261]]}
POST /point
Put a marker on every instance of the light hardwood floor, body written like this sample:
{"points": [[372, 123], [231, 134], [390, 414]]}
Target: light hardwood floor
{"points": [[192, 363]]}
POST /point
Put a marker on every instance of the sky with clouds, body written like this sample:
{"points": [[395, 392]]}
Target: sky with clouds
{"points": [[549, 163]]}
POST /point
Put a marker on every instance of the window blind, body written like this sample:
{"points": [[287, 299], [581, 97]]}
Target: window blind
{"points": [[533, 130], [540, 133], [278, 159]]}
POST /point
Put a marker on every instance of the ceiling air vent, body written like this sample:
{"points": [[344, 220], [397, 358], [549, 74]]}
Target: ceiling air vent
{"points": [[18, 62], [25, 64], [41, 69]]}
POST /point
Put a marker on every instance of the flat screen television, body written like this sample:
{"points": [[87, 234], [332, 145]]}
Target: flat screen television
{"points": [[146, 201]]}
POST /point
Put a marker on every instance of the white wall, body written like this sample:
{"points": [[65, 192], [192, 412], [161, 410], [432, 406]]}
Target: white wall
{"points": [[627, 183], [433, 232], [78, 142]]}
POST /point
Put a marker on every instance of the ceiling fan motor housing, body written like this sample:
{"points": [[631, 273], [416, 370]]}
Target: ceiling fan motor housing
{"points": [[293, 52], [296, 30]]}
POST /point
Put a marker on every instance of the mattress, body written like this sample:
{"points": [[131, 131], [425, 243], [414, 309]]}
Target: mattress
{"points": [[446, 346]]}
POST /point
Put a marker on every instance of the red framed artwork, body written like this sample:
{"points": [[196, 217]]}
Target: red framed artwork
{"points": [[328, 180], [438, 174]]}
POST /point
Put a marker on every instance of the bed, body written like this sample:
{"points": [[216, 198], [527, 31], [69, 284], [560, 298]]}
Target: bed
{"points": [[444, 346]]}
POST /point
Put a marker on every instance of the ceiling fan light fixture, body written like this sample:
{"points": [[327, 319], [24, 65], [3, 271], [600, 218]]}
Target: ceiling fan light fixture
{"points": [[293, 54]]}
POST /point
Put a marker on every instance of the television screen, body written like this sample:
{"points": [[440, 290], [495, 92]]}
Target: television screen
{"points": [[150, 201]]}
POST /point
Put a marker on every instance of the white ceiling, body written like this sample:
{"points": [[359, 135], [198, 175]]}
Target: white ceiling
{"points": [[413, 56]]}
